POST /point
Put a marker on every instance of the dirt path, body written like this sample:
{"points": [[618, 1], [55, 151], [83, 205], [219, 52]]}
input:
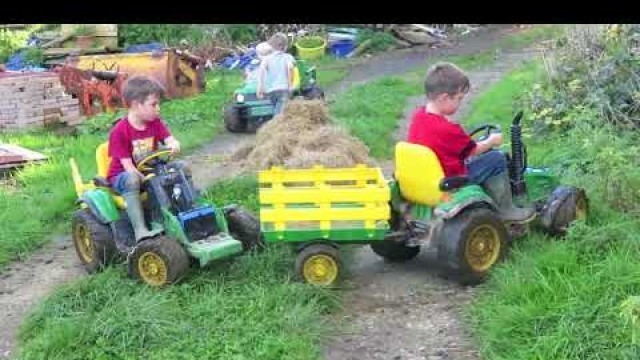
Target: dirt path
{"points": [[24, 283], [406, 311]]}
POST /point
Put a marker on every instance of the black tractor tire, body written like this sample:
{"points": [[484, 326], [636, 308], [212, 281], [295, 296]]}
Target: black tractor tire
{"points": [[564, 205], [158, 261], [471, 244], [393, 251], [323, 255], [232, 119], [245, 226], [93, 241], [315, 93]]}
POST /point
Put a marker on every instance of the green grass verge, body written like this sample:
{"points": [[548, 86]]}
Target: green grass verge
{"points": [[558, 299]]}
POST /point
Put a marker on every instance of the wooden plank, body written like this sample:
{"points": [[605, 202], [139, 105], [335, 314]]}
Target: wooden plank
{"points": [[7, 157], [26, 154]]}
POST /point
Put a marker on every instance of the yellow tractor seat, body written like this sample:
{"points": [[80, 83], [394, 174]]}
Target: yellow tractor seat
{"points": [[419, 173], [102, 161], [296, 78]]}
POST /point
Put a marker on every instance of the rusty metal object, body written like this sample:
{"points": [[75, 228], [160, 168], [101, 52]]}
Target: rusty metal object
{"points": [[102, 88], [181, 74]]}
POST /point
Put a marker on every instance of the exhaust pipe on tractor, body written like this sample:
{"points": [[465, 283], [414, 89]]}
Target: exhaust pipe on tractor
{"points": [[517, 166]]}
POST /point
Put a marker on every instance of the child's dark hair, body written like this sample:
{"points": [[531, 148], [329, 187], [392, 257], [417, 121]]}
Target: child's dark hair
{"points": [[445, 78], [139, 87]]}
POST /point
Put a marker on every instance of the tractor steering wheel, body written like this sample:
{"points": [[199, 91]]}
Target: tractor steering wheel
{"points": [[486, 130], [161, 154]]}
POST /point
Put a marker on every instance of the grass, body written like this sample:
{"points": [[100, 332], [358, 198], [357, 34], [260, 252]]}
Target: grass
{"points": [[330, 70], [558, 299], [531, 35], [497, 104], [246, 308], [373, 121]]}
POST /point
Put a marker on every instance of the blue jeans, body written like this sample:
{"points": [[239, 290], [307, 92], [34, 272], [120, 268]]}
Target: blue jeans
{"points": [[279, 98], [486, 165], [126, 182]]}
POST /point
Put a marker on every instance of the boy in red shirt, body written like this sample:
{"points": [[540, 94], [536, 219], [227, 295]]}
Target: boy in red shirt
{"points": [[445, 87], [131, 139]]}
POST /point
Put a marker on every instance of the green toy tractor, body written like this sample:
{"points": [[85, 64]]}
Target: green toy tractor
{"points": [[193, 230], [318, 209], [246, 113]]}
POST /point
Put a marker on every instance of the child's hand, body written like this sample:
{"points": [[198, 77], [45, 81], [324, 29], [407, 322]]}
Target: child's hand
{"points": [[495, 139], [174, 147]]}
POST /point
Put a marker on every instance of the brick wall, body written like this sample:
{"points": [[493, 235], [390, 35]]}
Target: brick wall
{"points": [[35, 99]]}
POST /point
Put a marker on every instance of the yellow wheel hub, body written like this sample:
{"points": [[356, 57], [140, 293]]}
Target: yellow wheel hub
{"points": [[320, 269], [483, 248], [152, 269], [82, 238], [581, 208]]}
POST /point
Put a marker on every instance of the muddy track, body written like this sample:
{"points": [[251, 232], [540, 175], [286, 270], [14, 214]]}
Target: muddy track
{"points": [[24, 283], [409, 311]]}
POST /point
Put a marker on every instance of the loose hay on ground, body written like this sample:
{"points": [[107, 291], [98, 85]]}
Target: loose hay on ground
{"points": [[303, 136]]}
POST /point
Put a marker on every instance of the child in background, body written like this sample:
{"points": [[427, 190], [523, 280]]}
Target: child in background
{"points": [[252, 70], [276, 73]]}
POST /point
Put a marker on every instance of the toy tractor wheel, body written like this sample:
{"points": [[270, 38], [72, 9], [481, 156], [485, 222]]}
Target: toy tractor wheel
{"points": [[315, 93], [245, 227], [394, 252], [470, 244], [565, 204], [232, 120], [319, 264], [158, 261], [93, 241]]}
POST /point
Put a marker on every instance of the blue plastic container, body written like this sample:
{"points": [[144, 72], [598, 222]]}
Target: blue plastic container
{"points": [[342, 48]]}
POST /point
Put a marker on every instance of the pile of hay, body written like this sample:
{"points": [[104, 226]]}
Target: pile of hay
{"points": [[302, 136]]}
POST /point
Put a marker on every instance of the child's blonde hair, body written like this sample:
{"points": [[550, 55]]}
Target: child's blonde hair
{"points": [[263, 49], [279, 41]]}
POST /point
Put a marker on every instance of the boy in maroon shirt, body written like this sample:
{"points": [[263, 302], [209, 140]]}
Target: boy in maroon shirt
{"points": [[131, 139], [445, 87]]}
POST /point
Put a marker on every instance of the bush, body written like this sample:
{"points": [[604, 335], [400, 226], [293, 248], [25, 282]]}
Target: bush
{"points": [[169, 34], [379, 40], [10, 42], [593, 72], [242, 33]]}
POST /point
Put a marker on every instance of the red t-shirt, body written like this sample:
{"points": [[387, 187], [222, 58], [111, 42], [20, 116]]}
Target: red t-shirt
{"points": [[125, 141], [446, 139]]}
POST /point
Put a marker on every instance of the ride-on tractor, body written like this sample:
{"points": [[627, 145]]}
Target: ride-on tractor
{"points": [[318, 209], [245, 113], [193, 230]]}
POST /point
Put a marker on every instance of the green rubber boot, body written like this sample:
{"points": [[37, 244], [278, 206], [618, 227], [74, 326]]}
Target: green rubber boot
{"points": [[136, 216]]}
